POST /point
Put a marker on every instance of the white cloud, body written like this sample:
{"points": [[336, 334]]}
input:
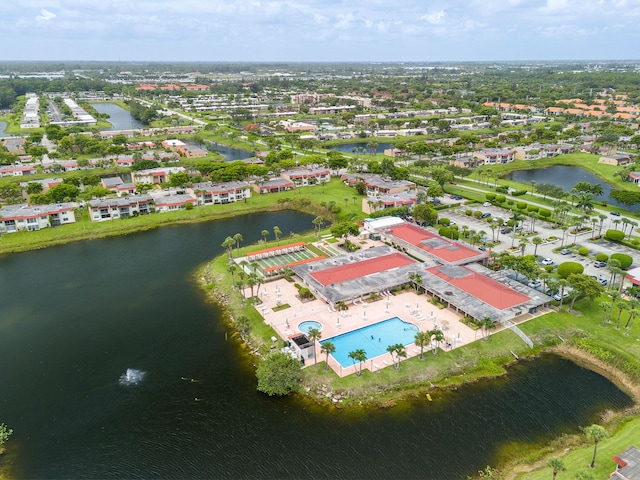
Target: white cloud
{"points": [[434, 18], [45, 15]]}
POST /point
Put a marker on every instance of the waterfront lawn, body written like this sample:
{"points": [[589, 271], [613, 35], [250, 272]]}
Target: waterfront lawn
{"points": [[579, 459], [304, 199]]}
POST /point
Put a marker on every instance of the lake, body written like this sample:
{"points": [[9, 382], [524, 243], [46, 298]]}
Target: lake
{"points": [[76, 317], [352, 147], [566, 177], [229, 153], [119, 118]]}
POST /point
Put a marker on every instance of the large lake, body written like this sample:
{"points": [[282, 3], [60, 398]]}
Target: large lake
{"points": [[566, 177], [229, 153], [74, 318], [119, 118], [357, 147]]}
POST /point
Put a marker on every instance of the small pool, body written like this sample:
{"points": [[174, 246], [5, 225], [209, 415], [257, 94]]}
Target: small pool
{"points": [[373, 339], [307, 325]]}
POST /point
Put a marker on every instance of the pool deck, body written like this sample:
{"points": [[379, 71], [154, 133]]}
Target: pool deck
{"points": [[407, 305]]}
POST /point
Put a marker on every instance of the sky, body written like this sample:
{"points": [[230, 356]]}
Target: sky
{"points": [[319, 30]]}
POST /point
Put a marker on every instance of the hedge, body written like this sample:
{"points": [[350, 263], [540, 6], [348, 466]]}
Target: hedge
{"points": [[614, 235], [567, 268], [624, 259], [602, 257]]}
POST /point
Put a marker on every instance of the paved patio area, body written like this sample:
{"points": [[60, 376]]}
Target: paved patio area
{"points": [[407, 305]]}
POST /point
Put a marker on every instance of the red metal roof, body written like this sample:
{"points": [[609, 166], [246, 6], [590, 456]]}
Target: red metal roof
{"points": [[354, 270], [450, 252]]}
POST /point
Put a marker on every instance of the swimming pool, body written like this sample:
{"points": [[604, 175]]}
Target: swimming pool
{"points": [[373, 339], [307, 325]]}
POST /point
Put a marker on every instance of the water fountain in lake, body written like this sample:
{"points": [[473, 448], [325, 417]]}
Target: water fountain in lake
{"points": [[131, 377]]}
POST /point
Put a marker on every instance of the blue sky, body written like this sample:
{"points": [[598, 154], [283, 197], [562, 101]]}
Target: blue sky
{"points": [[319, 30]]}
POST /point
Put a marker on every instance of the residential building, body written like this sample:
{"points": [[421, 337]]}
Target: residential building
{"points": [[377, 184], [15, 218], [155, 176], [209, 193], [274, 185], [494, 156], [17, 170], [307, 176], [618, 159], [627, 465], [112, 208], [172, 202]]}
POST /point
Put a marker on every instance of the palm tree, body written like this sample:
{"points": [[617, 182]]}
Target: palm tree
{"points": [[612, 265], [605, 309], [314, 334], [633, 305], [238, 238], [399, 351], [437, 336], [595, 433], [487, 324], [277, 232], [557, 465], [421, 339], [317, 222], [562, 283], [327, 348], [602, 218], [621, 306], [392, 349], [232, 270], [614, 298], [228, 245], [358, 355], [265, 234], [632, 316], [536, 241]]}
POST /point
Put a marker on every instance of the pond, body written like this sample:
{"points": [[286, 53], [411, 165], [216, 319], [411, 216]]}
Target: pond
{"points": [[565, 177], [119, 118], [229, 153], [355, 147], [3, 127], [115, 365]]}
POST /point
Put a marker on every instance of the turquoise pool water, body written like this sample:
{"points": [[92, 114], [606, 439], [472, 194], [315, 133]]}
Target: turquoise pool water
{"points": [[373, 339], [307, 325]]}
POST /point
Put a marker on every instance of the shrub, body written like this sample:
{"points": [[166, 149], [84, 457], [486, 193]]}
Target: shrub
{"points": [[502, 189], [500, 198], [533, 208], [602, 257], [635, 242], [490, 196], [449, 233], [548, 268], [519, 193], [614, 235], [583, 251], [544, 213], [567, 268], [444, 221], [477, 214], [521, 205], [624, 259], [468, 212]]}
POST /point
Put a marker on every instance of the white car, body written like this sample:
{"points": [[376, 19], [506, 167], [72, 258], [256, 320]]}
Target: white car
{"points": [[486, 204], [547, 261]]}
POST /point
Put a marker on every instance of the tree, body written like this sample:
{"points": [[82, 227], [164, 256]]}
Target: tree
{"points": [[584, 286], [421, 339], [557, 465], [228, 245], [436, 336], [179, 179], [595, 433], [278, 374], [399, 351], [486, 323], [358, 355], [317, 223], [327, 348], [344, 229], [314, 334], [276, 233], [536, 241], [238, 238], [265, 234], [441, 176], [425, 214], [243, 324], [34, 187]]}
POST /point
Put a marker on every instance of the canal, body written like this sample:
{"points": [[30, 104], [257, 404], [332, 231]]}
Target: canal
{"points": [[76, 317]]}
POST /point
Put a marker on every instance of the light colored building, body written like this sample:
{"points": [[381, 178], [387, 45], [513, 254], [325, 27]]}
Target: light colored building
{"points": [[209, 193], [16, 218], [155, 176], [307, 176], [120, 207]]}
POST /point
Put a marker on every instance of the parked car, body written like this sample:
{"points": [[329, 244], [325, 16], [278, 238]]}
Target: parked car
{"points": [[615, 214], [486, 204], [601, 280], [565, 251], [457, 197], [547, 261], [534, 284], [599, 264], [557, 296], [482, 249], [506, 230], [486, 215]]}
